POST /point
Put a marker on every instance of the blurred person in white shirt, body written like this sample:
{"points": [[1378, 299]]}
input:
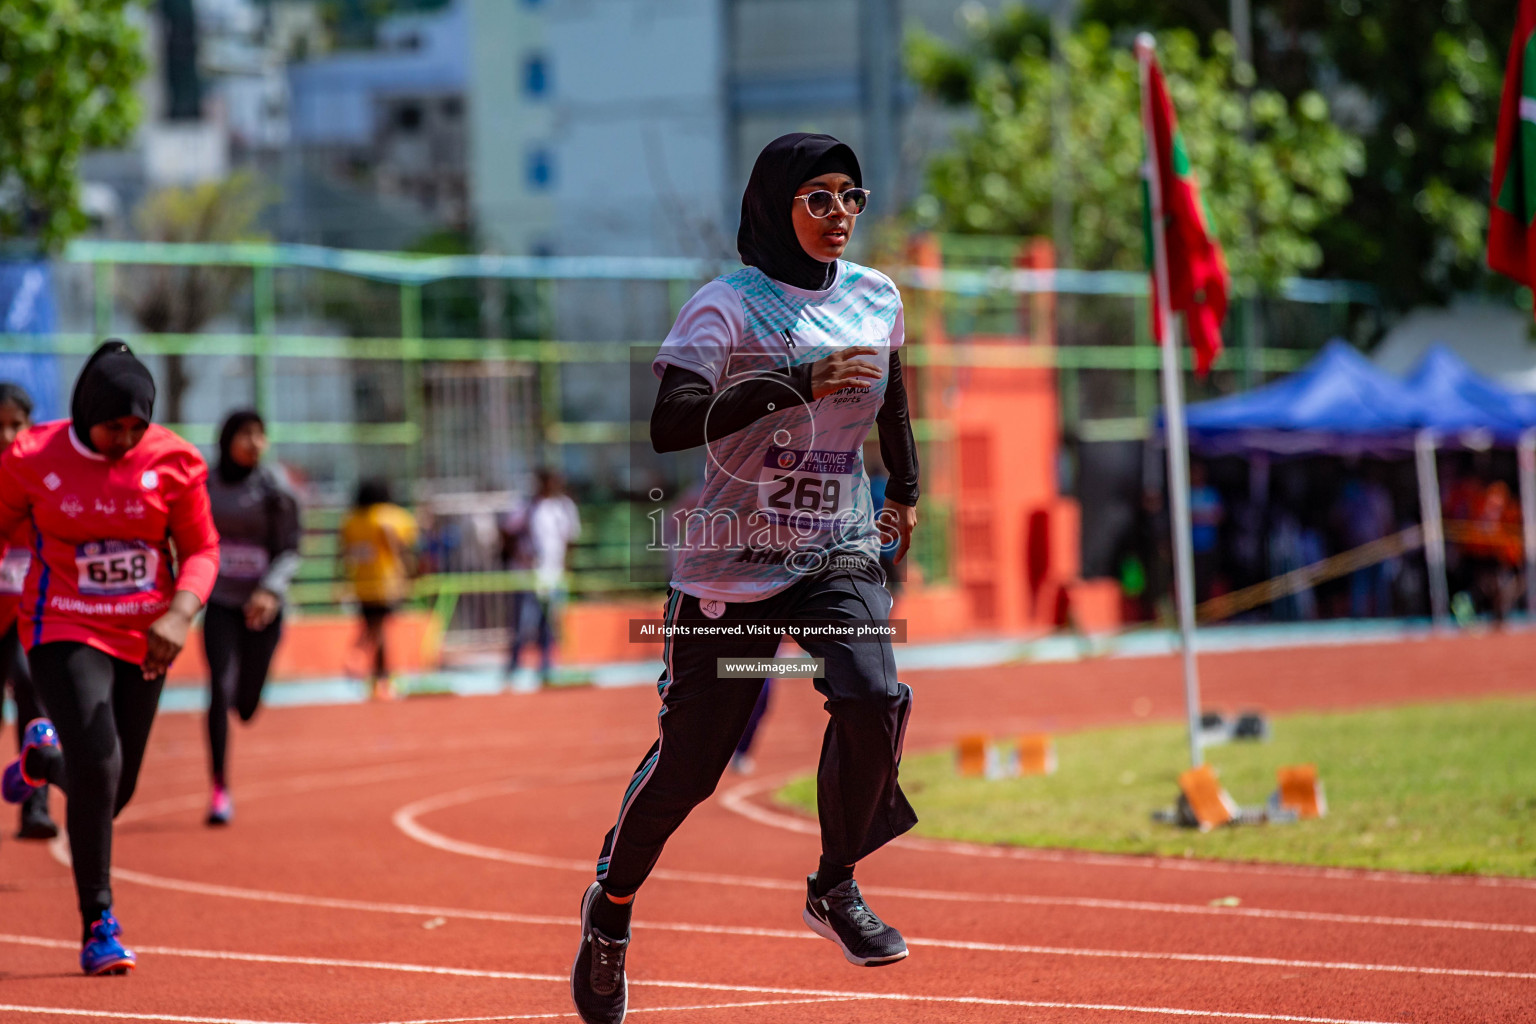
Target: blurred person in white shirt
{"points": [[536, 538]]}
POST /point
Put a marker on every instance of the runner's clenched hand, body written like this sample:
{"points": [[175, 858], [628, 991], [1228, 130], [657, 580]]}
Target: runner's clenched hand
{"points": [[844, 369]]}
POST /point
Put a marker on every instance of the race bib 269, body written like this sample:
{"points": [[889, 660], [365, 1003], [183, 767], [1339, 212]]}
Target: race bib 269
{"points": [[806, 486]]}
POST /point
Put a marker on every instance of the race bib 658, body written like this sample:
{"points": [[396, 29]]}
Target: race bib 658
{"points": [[116, 568]]}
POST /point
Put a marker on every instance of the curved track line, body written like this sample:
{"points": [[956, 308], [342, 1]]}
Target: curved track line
{"points": [[406, 817], [701, 986], [738, 800], [507, 917], [283, 787], [632, 1009], [440, 801], [60, 1011]]}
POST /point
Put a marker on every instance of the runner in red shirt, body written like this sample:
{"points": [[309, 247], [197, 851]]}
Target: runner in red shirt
{"points": [[115, 504], [15, 417]]}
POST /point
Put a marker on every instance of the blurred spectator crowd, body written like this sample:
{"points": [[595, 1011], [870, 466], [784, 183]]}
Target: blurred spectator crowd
{"points": [[1253, 523]]}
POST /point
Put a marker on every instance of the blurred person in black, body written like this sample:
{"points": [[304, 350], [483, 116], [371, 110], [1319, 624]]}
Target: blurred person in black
{"points": [[257, 517]]}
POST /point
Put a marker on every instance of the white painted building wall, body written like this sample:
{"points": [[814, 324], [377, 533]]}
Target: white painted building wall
{"points": [[656, 109], [639, 127], [510, 128]]}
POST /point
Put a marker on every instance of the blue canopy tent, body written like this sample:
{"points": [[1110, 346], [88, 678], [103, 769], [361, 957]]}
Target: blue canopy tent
{"points": [[1455, 399], [1340, 403], [1464, 406]]}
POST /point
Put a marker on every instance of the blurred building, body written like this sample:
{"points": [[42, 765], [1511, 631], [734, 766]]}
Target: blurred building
{"points": [[395, 110], [512, 164], [390, 123], [628, 127], [181, 138], [215, 97]]}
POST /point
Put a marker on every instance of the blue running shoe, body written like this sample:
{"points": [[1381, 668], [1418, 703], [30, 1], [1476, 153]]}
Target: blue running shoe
{"points": [[15, 784], [104, 954]]}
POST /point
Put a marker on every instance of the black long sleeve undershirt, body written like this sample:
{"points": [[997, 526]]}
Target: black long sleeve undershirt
{"points": [[686, 401], [898, 448]]}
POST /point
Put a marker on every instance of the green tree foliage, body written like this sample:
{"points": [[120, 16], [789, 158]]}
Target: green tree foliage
{"points": [[67, 75], [1267, 197], [1419, 82]]}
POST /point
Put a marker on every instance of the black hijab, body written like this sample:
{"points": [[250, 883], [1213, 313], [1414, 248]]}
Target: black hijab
{"points": [[230, 471], [112, 384], [767, 239]]}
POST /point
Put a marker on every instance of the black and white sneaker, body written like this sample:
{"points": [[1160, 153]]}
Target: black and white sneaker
{"points": [[597, 977], [841, 915]]}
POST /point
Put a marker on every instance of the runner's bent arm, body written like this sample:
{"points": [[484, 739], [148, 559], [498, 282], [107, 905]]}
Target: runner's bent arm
{"points": [[898, 449], [687, 407], [285, 560], [686, 401], [197, 541], [696, 398], [191, 527]]}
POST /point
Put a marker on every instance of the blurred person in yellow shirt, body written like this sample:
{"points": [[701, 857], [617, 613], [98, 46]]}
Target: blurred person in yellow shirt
{"points": [[378, 558]]}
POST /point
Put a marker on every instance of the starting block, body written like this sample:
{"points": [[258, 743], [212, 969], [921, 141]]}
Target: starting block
{"points": [[977, 756], [1300, 791], [1207, 802], [972, 754], [1035, 755]]}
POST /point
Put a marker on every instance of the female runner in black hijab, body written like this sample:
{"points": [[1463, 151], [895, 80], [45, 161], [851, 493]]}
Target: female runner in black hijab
{"points": [[780, 370], [257, 517], [106, 608]]}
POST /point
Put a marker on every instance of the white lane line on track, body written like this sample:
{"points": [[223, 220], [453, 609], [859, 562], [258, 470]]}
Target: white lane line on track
{"points": [[738, 800], [698, 986], [506, 917], [62, 1011], [280, 787], [632, 1009], [406, 820]]}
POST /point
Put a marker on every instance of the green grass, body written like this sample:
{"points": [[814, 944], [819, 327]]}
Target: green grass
{"points": [[1443, 788]]}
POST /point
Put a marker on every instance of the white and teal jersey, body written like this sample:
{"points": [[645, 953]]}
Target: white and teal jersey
{"points": [[785, 492]]}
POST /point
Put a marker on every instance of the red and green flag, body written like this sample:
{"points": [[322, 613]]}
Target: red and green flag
{"points": [[1197, 269], [1512, 220]]}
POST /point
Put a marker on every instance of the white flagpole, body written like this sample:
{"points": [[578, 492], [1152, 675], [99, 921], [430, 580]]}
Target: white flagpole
{"points": [[1527, 465], [1173, 415], [1434, 531]]}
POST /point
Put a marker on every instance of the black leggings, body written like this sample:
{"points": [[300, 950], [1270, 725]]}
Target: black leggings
{"points": [[375, 622], [103, 708], [858, 800], [14, 667], [238, 660]]}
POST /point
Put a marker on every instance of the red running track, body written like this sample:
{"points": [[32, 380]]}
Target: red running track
{"points": [[423, 861]]}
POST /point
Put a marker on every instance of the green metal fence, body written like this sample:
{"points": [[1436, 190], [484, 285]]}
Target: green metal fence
{"points": [[427, 389]]}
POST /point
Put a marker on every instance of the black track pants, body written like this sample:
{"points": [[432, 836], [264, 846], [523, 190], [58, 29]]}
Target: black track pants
{"points": [[103, 708], [860, 804], [15, 667], [238, 661]]}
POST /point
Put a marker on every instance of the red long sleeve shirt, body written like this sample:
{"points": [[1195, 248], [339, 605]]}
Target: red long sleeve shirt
{"points": [[103, 535], [13, 574]]}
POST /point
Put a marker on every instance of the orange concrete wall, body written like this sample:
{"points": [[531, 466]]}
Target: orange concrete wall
{"points": [[1017, 542], [598, 632], [317, 647]]}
